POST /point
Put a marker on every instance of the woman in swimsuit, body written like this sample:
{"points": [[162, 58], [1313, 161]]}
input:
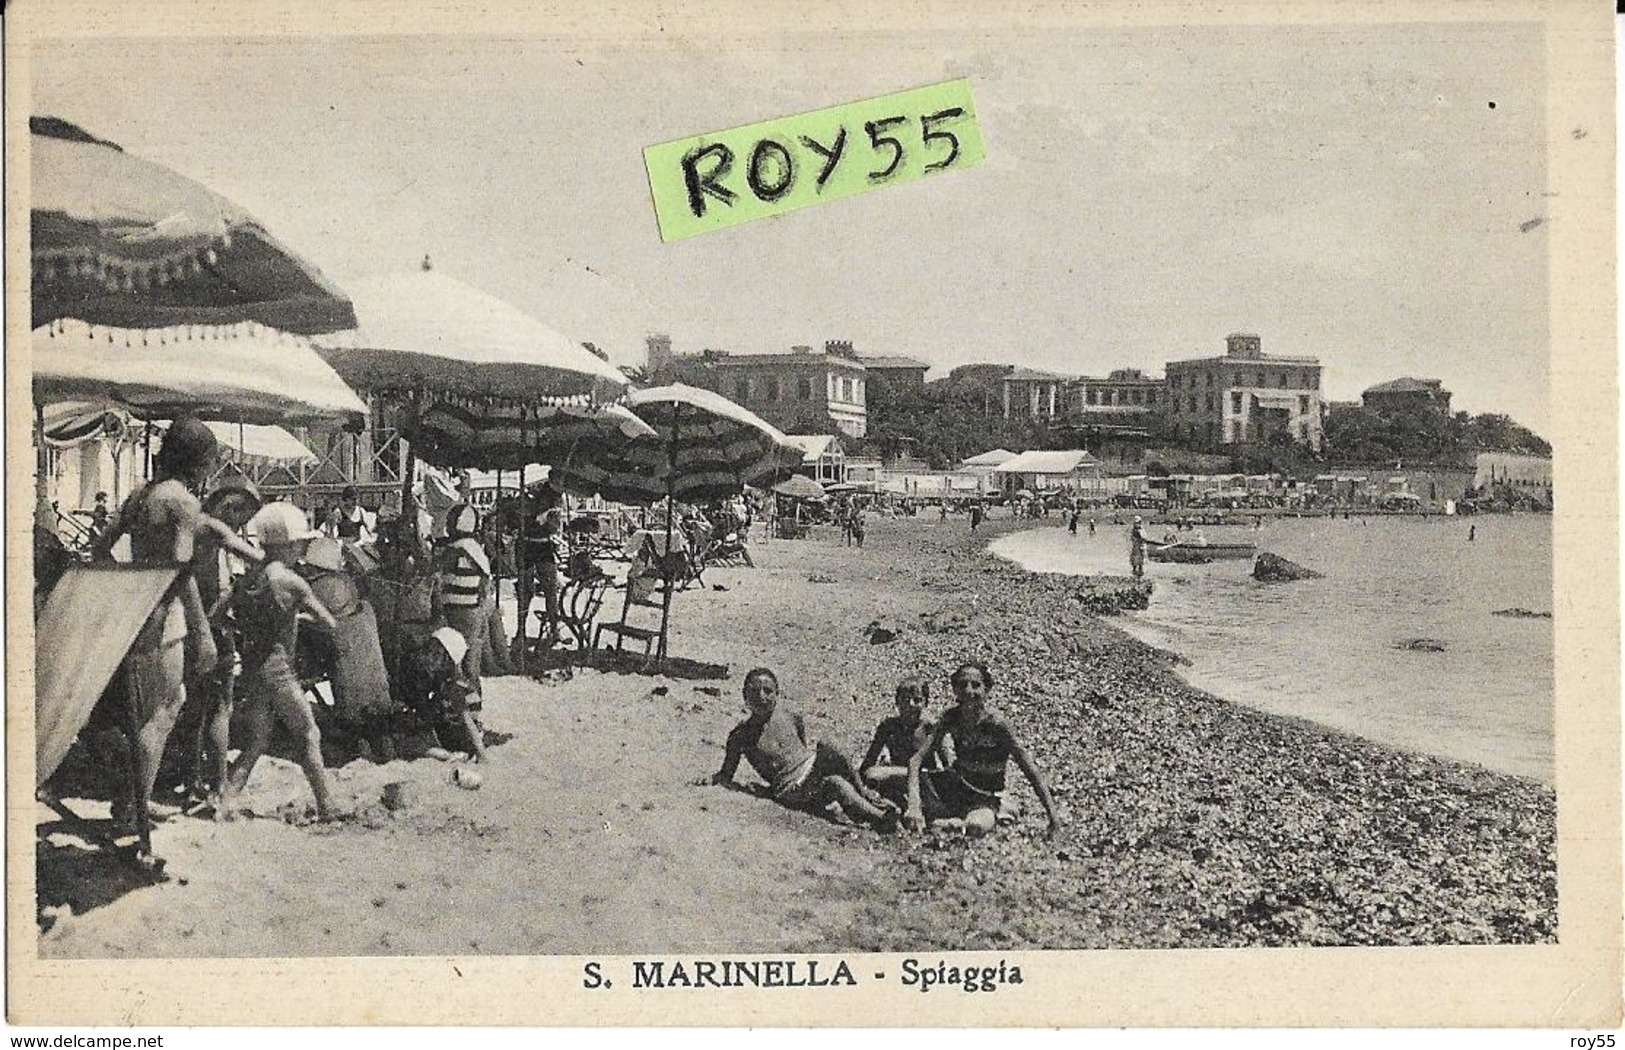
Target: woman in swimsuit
{"points": [[969, 792]]}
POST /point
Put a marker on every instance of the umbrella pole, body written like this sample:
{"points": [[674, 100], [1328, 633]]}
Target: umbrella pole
{"points": [[41, 463], [671, 512], [498, 534], [521, 581]]}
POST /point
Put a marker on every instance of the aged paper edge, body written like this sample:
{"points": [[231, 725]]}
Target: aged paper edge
{"points": [[1574, 983]]}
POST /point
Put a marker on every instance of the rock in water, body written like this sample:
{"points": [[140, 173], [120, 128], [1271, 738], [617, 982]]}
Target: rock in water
{"points": [[1272, 568], [1522, 614], [1420, 645]]}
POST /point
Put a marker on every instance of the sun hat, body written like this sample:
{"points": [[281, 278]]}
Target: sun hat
{"points": [[462, 520], [281, 524], [451, 640]]}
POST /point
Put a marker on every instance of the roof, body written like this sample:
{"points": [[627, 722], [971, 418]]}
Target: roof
{"points": [[1244, 362], [991, 458], [814, 445], [1033, 373], [809, 357], [893, 362], [1406, 385], [1061, 462]]}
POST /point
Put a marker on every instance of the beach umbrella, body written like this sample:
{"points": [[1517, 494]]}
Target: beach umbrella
{"points": [[426, 335], [259, 445], [118, 240], [242, 373], [511, 435], [708, 448], [800, 486], [425, 339]]}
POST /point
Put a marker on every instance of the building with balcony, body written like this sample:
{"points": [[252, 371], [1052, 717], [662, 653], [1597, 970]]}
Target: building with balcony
{"points": [[801, 391], [1244, 396], [1027, 392]]}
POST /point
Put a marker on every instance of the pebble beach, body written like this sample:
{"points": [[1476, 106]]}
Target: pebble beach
{"points": [[1189, 821]]}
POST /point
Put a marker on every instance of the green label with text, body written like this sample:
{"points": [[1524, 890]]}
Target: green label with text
{"points": [[727, 177]]}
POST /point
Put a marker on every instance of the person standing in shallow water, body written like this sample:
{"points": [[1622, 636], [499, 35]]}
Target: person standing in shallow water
{"points": [[1136, 549]]}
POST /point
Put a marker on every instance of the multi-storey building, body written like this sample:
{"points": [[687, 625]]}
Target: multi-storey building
{"points": [[898, 373], [1127, 397], [797, 392], [1029, 392], [1244, 396], [1408, 395]]}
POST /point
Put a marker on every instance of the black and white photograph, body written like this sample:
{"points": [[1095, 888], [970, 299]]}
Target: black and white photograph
{"points": [[1152, 490]]}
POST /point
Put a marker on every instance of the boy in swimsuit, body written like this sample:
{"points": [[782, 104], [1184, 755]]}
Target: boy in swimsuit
{"points": [[801, 774], [896, 740], [969, 792], [267, 605]]}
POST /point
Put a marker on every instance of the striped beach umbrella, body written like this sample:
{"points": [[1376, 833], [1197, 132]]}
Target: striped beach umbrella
{"points": [[510, 435], [707, 448]]}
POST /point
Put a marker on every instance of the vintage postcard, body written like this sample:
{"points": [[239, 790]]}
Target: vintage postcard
{"points": [[921, 514]]}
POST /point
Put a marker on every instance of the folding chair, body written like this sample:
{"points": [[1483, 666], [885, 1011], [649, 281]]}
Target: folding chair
{"points": [[643, 592]]}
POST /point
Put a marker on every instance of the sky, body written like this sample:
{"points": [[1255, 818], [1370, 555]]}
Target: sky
{"points": [[1367, 195]]}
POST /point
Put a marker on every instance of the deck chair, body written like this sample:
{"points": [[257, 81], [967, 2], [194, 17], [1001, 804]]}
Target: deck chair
{"points": [[640, 611], [82, 635]]}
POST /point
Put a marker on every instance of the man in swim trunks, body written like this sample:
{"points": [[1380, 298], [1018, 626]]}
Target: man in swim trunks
{"points": [[801, 774]]}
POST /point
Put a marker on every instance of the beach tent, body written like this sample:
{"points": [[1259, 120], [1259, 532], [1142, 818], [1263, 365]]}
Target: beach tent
{"points": [[118, 240], [81, 636], [1047, 469]]}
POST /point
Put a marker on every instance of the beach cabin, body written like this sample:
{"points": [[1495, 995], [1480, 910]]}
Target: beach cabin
{"points": [[1047, 471], [823, 458]]}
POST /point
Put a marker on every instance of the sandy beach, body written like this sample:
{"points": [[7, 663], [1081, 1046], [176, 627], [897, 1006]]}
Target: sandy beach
{"points": [[1189, 821]]}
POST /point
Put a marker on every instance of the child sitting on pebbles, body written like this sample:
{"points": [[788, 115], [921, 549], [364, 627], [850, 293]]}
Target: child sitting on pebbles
{"points": [[970, 792], [897, 738], [801, 774]]}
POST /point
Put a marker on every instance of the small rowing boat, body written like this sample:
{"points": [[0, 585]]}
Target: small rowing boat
{"points": [[1190, 552]]}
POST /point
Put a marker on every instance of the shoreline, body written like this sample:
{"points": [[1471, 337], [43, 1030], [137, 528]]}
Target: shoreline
{"points": [[1198, 821], [1189, 821], [1208, 672]]}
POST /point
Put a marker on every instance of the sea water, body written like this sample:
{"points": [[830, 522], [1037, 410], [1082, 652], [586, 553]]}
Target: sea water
{"points": [[1325, 649]]}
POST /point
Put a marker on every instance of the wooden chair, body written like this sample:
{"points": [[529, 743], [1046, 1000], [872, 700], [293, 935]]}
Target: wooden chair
{"points": [[579, 604], [643, 605]]}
